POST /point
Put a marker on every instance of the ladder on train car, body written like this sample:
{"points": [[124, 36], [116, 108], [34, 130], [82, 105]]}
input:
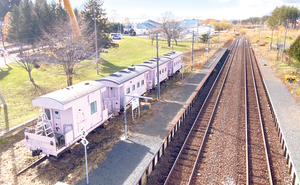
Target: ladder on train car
{"points": [[44, 127]]}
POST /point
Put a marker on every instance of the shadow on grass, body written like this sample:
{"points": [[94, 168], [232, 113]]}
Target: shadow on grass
{"points": [[38, 90], [107, 67], [4, 71]]}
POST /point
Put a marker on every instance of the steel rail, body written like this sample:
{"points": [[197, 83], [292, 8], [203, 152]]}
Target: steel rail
{"points": [[246, 120], [182, 148], [213, 112], [260, 116], [32, 164]]}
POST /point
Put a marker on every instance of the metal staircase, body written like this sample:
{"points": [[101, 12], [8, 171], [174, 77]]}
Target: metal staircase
{"points": [[44, 127]]}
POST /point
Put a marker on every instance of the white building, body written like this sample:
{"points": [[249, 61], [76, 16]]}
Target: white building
{"points": [[141, 28], [190, 25]]}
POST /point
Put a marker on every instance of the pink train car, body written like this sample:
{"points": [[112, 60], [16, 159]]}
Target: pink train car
{"points": [[151, 79], [127, 81], [174, 65], [86, 105], [65, 113]]}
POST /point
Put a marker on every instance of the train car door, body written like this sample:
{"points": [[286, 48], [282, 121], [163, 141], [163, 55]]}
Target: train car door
{"points": [[80, 120], [49, 114], [57, 122]]}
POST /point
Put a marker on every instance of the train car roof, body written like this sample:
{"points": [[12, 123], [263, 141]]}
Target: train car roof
{"points": [[172, 55], [58, 99], [152, 63], [125, 74]]}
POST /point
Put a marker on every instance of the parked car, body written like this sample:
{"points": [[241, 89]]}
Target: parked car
{"points": [[116, 38]]}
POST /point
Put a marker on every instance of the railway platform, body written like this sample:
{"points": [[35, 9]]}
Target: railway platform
{"points": [[128, 159], [287, 112]]}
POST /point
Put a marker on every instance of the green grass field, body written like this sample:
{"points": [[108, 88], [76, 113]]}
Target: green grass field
{"points": [[18, 91]]}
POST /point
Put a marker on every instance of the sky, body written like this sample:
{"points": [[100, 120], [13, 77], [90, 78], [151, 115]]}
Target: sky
{"points": [[141, 10]]}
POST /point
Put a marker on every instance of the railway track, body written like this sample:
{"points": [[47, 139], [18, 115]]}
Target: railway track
{"points": [[232, 139], [258, 165], [184, 165], [37, 162]]}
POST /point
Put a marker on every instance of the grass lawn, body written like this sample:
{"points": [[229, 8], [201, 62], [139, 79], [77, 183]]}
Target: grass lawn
{"points": [[18, 91]]}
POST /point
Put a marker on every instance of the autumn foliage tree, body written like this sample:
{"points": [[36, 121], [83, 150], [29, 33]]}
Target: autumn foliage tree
{"points": [[5, 27], [208, 21], [223, 25], [294, 51]]}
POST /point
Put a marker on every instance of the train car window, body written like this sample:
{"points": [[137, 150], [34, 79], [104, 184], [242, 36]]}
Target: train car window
{"points": [[165, 69], [56, 114], [128, 90], [111, 90], [47, 112], [133, 87], [142, 82], [138, 85], [93, 107]]}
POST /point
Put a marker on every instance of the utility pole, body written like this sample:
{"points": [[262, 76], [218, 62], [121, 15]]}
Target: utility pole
{"points": [[284, 41], [96, 45], [208, 41], [277, 47], [218, 39], [192, 52], [158, 84], [5, 112], [271, 38], [172, 39]]}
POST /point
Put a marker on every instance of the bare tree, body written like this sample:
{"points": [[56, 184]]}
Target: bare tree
{"points": [[28, 61], [152, 33], [169, 26], [68, 49], [113, 15]]}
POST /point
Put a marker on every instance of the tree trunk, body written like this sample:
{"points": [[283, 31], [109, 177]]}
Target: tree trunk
{"points": [[69, 79], [69, 75], [30, 78], [175, 41], [169, 42]]}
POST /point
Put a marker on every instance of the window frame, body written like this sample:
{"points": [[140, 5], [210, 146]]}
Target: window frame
{"points": [[93, 106]]}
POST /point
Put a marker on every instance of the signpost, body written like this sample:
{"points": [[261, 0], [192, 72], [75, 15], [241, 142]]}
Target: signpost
{"points": [[134, 96], [135, 104], [85, 142]]}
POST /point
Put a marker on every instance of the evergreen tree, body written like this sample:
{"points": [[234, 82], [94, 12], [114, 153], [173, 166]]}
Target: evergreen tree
{"points": [[103, 28], [7, 6], [14, 31], [27, 27], [29, 21], [284, 15]]}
